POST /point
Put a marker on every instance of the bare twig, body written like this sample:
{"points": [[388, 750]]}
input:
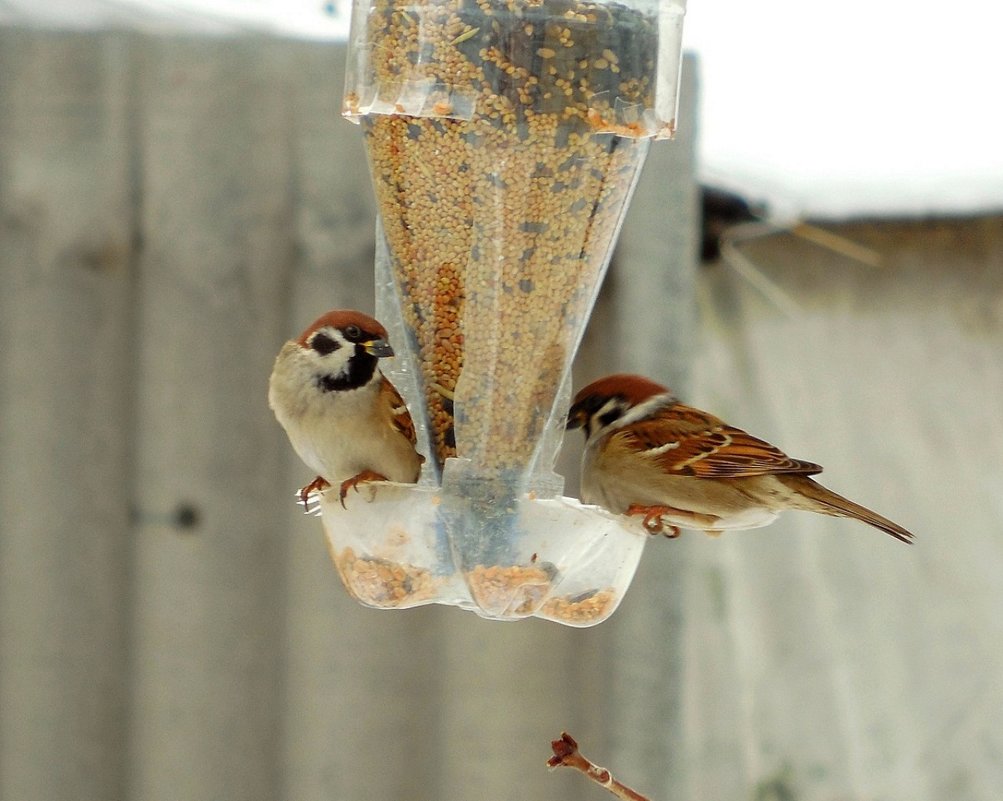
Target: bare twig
{"points": [[566, 755], [769, 289], [737, 235], [837, 244]]}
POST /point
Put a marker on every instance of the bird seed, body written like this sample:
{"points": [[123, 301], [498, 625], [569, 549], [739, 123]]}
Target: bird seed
{"points": [[383, 583], [501, 189]]}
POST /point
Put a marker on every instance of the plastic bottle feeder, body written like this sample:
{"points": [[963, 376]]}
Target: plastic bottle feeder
{"points": [[504, 138]]}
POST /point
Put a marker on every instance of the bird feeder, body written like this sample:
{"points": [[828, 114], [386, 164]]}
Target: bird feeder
{"points": [[504, 140]]}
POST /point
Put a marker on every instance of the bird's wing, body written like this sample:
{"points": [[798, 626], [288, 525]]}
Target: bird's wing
{"points": [[685, 441], [400, 417]]}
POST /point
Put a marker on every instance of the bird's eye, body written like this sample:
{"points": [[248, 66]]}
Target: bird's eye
{"points": [[323, 344], [352, 332]]}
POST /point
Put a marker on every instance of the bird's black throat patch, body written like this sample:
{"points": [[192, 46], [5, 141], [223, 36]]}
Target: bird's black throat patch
{"points": [[361, 368]]}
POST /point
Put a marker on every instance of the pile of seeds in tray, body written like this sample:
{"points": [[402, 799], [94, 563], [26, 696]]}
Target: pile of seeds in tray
{"points": [[383, 583], [499, 197], [523, 590], [512, 589], [586, 608]]}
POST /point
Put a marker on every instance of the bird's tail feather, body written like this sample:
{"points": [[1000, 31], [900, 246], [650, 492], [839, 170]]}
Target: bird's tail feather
{"points": [[838, 506]]}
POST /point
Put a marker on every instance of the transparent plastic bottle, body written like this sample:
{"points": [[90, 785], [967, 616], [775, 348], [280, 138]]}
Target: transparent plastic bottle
{"points": [[504, 139]]}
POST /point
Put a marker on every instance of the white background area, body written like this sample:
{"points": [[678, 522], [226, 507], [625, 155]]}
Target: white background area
{"points": [[883, 108]]}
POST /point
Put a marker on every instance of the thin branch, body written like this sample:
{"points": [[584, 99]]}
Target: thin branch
{"points": [[756, 278], [837, 244], [566, 755], [737, 235]]}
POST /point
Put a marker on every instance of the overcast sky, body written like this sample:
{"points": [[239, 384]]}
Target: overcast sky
{"points": [[886, 107]]}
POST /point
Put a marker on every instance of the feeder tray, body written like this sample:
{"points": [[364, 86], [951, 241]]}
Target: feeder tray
{"points": [[504, 139]]}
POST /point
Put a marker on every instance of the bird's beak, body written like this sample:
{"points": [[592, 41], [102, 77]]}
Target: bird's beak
{"points": [[378, 348]]}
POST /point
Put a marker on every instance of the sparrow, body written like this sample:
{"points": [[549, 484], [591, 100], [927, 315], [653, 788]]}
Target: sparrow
{"points": [[647, 454], [344, 419]]}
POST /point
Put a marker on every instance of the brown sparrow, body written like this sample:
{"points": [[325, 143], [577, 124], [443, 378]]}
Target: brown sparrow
{"points": [[647, 454], [343, 417]]}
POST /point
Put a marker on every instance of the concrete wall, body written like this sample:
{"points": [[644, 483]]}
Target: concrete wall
{"points": [[823, 659]]}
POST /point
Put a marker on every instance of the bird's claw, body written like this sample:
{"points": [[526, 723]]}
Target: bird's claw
{"points": [[353, 483], [315, 487], [653, 522]]}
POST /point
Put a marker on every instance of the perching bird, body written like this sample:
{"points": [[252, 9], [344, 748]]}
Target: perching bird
{"points": [[346, 421], [648, 454]]}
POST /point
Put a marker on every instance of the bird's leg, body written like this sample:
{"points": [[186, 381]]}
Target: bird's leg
{"points": [[319, 484], [353, 483], [653, 519]]}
